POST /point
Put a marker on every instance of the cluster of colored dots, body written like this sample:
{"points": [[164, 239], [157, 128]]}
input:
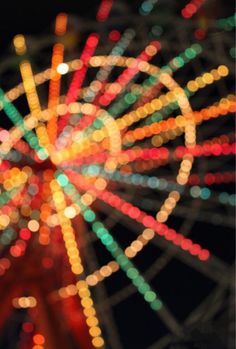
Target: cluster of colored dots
{"points": [[135, 213], [164, 125], [192, 87], [162, 184], [149, 87], [111, 245], [17, 119], [50, 200], [129, 178], [205, 193]]}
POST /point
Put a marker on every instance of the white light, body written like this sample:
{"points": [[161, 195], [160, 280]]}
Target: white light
{"points": [[62, 68], [70, 212]]}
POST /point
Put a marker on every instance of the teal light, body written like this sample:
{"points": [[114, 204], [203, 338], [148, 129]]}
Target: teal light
{"points": [[232, 200], [145, 8], [190, 53], [89, 215], [195, 191], [157, 30], [223, 197], [205, 193], [62, 180]]}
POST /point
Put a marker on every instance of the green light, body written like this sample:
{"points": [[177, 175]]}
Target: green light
{"points": [[100, 232], [143, 288], [96, 226], [97, 123], [107, 240], [190, 53], [156, 117], [156, 305], [130, 98], [89, 215], [149, 296], [197, 48], [178, 62], [132, 273], [139, 280]]}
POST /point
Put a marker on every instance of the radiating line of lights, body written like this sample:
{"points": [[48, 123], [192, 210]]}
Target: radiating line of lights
{"points": [[191, 8], [75, 262], [104, 10], [111, 245], [55, 81], [132, 211]]}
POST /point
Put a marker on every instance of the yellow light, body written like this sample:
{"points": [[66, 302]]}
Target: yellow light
{"points": [[19, 43], [223, 70], [98, 342]]}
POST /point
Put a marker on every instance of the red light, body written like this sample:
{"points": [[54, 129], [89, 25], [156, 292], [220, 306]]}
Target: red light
{"points": [[114, 35], [25, 234], [195, 249], [15, 251], [47, 262], [204, 255], [186, 244], [191, 8], [104, 10], [5, 263], [200, 34], [27, 327], [92, 40]]}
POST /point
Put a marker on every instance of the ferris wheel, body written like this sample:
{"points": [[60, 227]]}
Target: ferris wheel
{"points": [[117, 182]]}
